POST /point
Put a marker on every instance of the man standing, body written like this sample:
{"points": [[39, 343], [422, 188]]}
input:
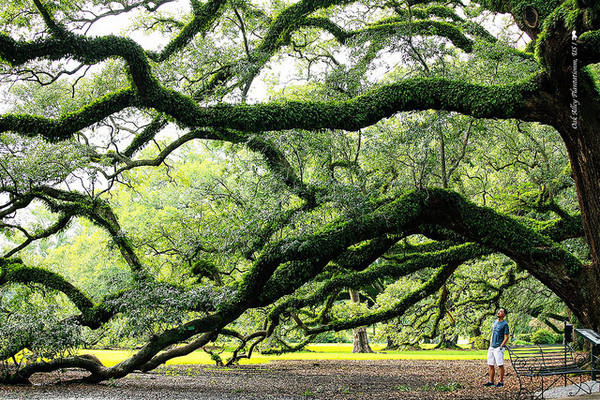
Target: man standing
{"points": [[500, 335]]}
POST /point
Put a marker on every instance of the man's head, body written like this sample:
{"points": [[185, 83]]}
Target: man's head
{"points": [[502, 313]]}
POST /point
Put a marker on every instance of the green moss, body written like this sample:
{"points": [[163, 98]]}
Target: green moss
{"points": [[18, 273], [414, 94], [423, 27], [205, 15]]}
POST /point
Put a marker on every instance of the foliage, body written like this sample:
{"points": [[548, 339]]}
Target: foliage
{"points": [[479, 343], [544, 336]]}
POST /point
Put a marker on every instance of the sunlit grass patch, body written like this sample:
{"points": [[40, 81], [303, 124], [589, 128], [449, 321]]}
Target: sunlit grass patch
{"points": [[342, 351]]}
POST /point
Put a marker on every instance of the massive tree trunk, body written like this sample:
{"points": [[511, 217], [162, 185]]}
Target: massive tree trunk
{"points": [[576, 115], [583, 145]]}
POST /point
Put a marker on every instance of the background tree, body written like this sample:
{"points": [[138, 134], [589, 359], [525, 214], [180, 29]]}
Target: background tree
{"points": [[298, 197]]}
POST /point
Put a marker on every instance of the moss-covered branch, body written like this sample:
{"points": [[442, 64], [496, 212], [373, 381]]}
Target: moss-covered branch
{"points": [[392, 29], [97, 211], [145, 136], [205, 15], [282, 169], [510, 101], [68, 125], [518, 100], [14, 271]]}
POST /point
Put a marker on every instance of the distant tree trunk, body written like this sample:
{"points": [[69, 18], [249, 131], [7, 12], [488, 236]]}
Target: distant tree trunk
{"points": [[391, 345], [447, 343], [361, 339]]}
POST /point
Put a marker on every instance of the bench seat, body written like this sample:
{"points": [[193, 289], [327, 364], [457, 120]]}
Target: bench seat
{"points": [[549, 364]]}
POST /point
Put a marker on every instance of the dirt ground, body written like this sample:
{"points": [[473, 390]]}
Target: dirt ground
{"points": [[389, 379]]}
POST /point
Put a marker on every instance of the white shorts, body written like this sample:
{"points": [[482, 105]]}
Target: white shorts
{"points": [[496, 356]]}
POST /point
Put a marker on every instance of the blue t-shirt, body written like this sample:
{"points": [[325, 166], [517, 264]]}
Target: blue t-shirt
{"points": [[499, 329]]}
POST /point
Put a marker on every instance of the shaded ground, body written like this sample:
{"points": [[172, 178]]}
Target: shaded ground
{"points": [[386, 379]]}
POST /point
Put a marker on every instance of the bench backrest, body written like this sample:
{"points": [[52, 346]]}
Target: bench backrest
{"points": [[530, 359]]}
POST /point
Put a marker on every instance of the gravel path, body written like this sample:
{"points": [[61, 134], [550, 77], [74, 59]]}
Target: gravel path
{"points": [[561, 392], [285, 380]]}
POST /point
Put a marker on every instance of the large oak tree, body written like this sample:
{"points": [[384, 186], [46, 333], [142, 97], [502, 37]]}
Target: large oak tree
{"points": [[201, 80]]}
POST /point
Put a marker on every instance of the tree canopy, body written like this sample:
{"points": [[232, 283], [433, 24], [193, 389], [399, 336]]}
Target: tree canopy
{"points": [[229, 168]]}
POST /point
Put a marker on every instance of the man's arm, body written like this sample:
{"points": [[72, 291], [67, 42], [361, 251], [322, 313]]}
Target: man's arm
{"points": [[506, 336]]}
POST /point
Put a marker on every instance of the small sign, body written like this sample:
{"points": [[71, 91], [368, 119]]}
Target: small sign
{"points": [[590, 335]]}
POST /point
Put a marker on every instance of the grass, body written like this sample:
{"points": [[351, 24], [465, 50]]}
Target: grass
{"points": [[342, 351]]}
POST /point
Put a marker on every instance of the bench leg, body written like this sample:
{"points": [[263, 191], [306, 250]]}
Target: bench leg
{"points": [[524, 390]]}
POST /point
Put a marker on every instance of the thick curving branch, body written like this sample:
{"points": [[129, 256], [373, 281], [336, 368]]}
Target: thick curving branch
{"points": [[204, 16], [278, 270], [519, 100], [14, 271], [97, 211], [289, 264], [392, 29], [145, 136], [67, 126], [282, 169], [87, 362]]}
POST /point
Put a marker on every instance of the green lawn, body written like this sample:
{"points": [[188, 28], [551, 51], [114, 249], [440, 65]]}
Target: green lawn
{"points": [[314, 352]]}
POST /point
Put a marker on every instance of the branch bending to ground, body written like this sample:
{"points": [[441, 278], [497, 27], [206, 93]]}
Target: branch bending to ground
{"points": [[258, 337], [14, 271], [86, 362], [268, 279], [179, 351]]}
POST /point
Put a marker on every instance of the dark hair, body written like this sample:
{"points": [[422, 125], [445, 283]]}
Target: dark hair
{"points": [[505, 310]]}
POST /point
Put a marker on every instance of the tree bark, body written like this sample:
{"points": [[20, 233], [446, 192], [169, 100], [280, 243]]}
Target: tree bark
{"points": [[360, 343], [576, 106]]}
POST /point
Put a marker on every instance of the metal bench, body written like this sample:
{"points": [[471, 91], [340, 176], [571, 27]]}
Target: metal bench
{"points": [[544, 366]]}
